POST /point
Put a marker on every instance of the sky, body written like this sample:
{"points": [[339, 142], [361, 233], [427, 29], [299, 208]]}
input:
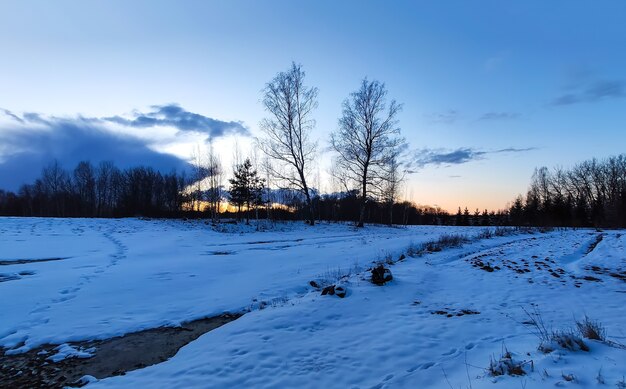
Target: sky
{"points": [[490, 89]]}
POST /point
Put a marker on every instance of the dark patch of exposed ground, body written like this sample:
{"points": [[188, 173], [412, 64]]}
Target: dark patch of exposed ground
{"points": [[547, 264], [619, 274], [25, 261], [114, 356], [593, 245], [447, 312]]}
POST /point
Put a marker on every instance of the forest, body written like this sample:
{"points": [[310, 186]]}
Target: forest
{"points": [[591, 194]]}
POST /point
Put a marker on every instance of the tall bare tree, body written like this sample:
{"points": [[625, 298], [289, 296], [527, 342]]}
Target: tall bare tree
{"points": [[393, 175], [367, 138], [85, 187], [290, 105], [198, 176], [214, 173]]}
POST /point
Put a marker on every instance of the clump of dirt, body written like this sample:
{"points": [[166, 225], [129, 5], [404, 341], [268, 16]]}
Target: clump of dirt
{"points": [[114, 356], [477, 262], [452, 313]]}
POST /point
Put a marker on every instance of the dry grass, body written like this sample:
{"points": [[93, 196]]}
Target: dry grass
{"points": [[591, 329], [506, 365], [550, 340], [443, 242]]}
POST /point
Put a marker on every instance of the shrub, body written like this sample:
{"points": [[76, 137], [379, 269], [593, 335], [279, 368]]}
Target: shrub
{"points": [[443, 242], [503, 231], [485, 234]]}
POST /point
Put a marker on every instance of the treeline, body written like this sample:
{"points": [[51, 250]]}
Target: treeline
{"points": [[98, 191], [104, 190], [591, 194], [346, 207]]}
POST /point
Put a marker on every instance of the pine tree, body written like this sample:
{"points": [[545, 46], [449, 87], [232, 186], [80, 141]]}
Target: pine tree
{"points": [[458, 220], [246, 188], [466, 217]]}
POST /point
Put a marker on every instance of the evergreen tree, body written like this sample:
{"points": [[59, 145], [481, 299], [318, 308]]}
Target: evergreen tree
{"points": [[246, 188], [466, 217], [458, 219], [485, 220]]}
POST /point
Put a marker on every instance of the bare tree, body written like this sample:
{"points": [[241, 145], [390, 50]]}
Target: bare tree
{"points": [[198, 176], [215, 173], [266, 167], [290, 105], [85, 186], [393, 175], [367, 138], [56, 184]]}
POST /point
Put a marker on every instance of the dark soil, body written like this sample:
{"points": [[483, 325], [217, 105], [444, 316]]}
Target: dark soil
{"points": [[112, 357], [593, 245], [452, 313]]}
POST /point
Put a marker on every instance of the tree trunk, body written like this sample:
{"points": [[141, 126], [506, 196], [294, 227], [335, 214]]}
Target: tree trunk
{"points": [[361, 222], [309, 202]]}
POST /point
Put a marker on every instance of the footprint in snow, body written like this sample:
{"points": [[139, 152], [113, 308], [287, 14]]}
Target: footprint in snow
{"points": [[421, 366]]}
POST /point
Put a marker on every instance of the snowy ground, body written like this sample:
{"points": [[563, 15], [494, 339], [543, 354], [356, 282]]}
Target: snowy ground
{"points": [[112, 277]]}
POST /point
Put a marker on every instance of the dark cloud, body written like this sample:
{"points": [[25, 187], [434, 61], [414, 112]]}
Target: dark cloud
{"points": [[172, 115], [459, 156], [590, 92], [439, 157], [499, 116], [33, 143], [448, 117]]}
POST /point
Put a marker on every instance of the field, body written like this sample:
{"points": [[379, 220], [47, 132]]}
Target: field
{"points": [[75, 290]]}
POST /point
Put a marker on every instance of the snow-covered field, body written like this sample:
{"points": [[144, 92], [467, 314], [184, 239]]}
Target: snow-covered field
{"points": [[104, 278]]}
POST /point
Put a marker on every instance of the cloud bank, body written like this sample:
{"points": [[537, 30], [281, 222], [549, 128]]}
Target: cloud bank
{"points": [[30, 141], [172, 115]]}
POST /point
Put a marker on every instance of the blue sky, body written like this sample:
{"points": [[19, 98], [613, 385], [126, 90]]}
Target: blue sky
{"points": [[491, 89]]}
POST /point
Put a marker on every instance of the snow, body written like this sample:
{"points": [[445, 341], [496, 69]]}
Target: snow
{"points": [[68, 351], [125, 275]]}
